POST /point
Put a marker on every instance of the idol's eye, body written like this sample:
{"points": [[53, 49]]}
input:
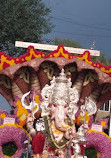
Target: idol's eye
{"points": [[65, 106], [54, 105]]}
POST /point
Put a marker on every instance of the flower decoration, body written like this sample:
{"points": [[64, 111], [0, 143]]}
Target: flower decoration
{"points": [[31, 53], [20, 112], [37, 97], [100, 141], [2, 115], [80, 119], [14, 135]]}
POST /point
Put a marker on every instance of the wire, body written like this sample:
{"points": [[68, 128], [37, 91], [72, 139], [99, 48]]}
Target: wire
{"points": [[80, 24], [72, 33]]}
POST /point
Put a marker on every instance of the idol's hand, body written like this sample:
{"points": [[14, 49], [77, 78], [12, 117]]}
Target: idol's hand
{"points": [[85, 126]]}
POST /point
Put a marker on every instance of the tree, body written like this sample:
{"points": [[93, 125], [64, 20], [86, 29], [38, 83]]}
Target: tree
{"points": [[109, 60], [102, 59], [67, 42], [23, 20]]}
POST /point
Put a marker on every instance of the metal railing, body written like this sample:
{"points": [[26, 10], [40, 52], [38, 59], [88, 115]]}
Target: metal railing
{"points": [[107, 107]]}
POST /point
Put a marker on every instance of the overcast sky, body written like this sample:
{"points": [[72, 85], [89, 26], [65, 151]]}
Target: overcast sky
{"points": [[4, 104], [84, 21]]}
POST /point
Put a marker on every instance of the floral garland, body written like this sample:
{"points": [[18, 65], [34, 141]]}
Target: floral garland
{"points": [[15, 134], [100, 141], [55, 145], [31, 53]]}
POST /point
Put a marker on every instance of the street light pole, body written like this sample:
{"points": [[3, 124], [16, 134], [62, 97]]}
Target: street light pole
{"points": [[110, 119]]}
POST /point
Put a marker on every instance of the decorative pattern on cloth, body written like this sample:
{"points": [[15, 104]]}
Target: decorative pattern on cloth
{"points": [[100, 141], [6, 61]]}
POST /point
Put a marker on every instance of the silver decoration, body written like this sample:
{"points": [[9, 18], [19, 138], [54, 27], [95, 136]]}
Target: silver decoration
{"points": [[81, 130], [40, 126], [31, 105], [76, 149], [76, 146], [61, 88], [74, 98], [81, 135], [61, 93], [46, 96], [90, 106]]}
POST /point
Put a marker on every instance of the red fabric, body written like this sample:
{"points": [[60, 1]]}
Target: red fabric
{"points": [[50, 149], [38, 143], [82, 149]]}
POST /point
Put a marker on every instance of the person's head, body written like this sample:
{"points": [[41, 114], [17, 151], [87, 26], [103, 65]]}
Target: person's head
{"points": [[26, 143]]}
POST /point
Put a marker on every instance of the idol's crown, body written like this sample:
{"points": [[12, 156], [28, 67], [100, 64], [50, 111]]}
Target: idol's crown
{"points": [[62, 78]]}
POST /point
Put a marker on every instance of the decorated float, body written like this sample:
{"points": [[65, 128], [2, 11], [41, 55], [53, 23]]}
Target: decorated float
{"points": [[55, 98]]}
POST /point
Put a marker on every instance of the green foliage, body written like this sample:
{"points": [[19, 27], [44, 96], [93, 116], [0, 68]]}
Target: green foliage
{"points": [[23, 20], [9, 149], [102, 59], [109, 60], [67, 43], [91, 153]]}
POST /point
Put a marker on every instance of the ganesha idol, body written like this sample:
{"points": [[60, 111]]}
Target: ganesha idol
{"points": [[58, 108]]}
